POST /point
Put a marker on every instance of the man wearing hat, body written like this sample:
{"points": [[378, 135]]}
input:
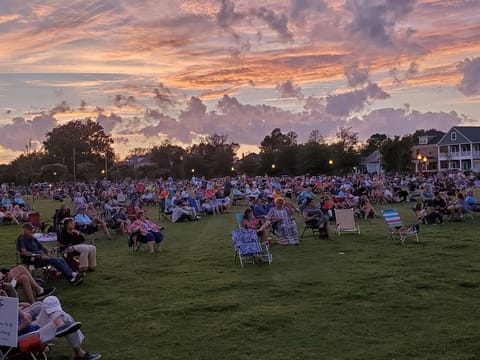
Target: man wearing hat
{"points": [[49, 319], [34, 253]]}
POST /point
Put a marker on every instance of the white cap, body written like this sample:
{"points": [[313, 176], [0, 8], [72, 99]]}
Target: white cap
{"points": [[51, 304]]}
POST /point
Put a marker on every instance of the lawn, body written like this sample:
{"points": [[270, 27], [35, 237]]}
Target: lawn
{"points": [[357, 297]]}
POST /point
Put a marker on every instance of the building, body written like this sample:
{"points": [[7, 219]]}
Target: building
{"points": [[373, 163], [459, 149], [425, 153]]}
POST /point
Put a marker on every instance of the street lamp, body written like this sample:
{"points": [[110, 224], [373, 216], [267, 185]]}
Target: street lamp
{"points": [[273, 166], [330, 162], [193, 171], [233, 169], [54, 173], [103, 171]]}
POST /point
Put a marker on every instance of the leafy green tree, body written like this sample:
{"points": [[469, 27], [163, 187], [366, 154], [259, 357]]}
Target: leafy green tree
{"points": [[373, 143], [277, 141], [86, 140], [396, 155]]}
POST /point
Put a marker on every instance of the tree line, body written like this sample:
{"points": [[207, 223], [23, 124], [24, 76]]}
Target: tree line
{"points": [[82, 150]]}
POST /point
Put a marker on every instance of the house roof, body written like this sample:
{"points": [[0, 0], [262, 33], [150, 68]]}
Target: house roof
{"points": [[472, 133], [374, 157]]}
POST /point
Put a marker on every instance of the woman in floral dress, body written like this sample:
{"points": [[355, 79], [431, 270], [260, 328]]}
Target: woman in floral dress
{"points": [[284, 223]]}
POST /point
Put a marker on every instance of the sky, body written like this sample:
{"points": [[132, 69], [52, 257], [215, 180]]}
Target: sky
{"points": [[150, 70]]}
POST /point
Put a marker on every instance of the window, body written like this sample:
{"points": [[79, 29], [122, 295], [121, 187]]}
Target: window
{"points": [[453, 165], [453, 136], [423, 140]]}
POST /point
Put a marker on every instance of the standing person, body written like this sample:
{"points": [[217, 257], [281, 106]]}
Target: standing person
{"points": [[31, 250], [72, 241], [286, 228]]}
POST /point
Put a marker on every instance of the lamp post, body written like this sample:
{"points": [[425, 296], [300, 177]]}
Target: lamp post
{"points": [[425, 161], [419, 159]]}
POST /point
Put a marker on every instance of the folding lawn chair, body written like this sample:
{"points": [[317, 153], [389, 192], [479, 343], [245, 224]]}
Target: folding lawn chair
{"points": [[397, 228], [247, 247], [345, 221], [40, 274], [311, 226]]}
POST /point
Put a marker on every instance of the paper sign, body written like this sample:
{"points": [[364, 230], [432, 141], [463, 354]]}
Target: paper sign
{"points": [[8, 321]]}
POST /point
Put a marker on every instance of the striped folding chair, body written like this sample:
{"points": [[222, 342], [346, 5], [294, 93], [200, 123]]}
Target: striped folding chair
{"points": [[397, 228]]}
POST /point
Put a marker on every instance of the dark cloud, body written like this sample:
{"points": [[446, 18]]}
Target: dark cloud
{"points": [[301, 8], [8, 111], [276, 22], [400, 75], [123, 100], [344, 104], [355, 75], [109, 122], [470, 71], [163, 97], [402, 121], [289, 90], [61, 108], [227, 16], [374, 22], [16, 134]]}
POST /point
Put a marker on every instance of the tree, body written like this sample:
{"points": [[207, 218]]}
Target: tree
{"points": [[374, 142], [277, 141], [86, 139], [345, 154], [168, 158], [213, 157], [396, 156], [316, 137], [249, 164]]}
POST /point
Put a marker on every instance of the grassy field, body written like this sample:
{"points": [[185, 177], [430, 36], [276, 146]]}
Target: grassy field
{"points": [[357, 297]]}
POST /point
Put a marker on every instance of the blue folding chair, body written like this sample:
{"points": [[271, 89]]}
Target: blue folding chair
{"points": [[247, 247]]}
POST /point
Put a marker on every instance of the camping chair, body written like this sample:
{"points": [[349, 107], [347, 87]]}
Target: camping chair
{"points": [[161, 211], [247, 247], [41, 274], [133, 243], [397, 228], [312, 226], [345, 221]]}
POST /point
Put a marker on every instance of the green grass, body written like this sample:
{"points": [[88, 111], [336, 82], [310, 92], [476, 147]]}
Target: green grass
{"points": [[377, 300]]}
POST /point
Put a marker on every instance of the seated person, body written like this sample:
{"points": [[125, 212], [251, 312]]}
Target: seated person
{"points": [[19, 214], [6, 202], [147, 232], [87, 225], [72, 241], [62, 213], [439, 203], [147, 198], [250, 222], [472, 203], [182, 213], [91, 212], [18, 200], [390, 196], [424, 216], [19, 275], [120, 221], [328, 206], [34, 253], [7, 217], [259, 210], [367, 208], [316, 218], [49, 319], [460, 206]]}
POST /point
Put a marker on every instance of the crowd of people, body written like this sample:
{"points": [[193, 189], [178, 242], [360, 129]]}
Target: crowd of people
{"points": [[270, 205]]}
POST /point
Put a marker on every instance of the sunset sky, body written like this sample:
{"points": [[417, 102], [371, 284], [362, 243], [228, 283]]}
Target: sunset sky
{"points": [[149, 70]]}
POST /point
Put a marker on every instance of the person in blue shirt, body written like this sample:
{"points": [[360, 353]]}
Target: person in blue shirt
{"points": [[259, 209], [6, 202], [471, 202], [18, 200], [86, 225]]}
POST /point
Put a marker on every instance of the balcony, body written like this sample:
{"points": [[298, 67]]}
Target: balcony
{"points": [[457, 155]]}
